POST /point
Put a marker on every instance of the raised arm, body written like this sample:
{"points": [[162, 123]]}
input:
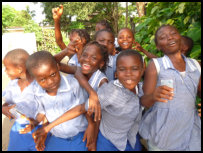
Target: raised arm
{"points": [[57, 12], [151, 92]]}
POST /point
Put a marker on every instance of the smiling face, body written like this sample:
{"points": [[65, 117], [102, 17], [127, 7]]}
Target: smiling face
{"points": [[168, 40], [107, 39], [125, 39], [48, 77], [91, 60], [129, 73]]}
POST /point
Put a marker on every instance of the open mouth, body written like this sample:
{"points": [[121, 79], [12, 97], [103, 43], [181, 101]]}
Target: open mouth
{"points": [[172, 43], [86, 66]]}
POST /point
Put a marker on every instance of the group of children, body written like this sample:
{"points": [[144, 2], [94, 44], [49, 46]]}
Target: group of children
{"points": [[99, 105]]}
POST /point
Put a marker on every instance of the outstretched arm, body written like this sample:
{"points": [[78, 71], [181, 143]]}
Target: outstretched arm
{"points": [[57, 12], [138, 47]]}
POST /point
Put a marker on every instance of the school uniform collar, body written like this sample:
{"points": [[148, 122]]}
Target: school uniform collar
{"points": [[110, 63], [64, 87], [169, 65], [117, 83], [94, 77]]}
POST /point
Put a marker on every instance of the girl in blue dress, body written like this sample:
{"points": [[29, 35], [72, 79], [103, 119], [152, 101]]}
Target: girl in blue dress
{"points": [[170, 87]]}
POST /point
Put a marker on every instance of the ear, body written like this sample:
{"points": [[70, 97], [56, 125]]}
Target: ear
{"points": [[20, 69], [101, 65], [83, 40]]}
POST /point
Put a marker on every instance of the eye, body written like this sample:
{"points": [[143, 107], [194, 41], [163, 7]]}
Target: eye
{"points": [[53, 74], [42, 80]]}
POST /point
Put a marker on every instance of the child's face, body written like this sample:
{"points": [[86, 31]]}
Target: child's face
{"points": [[184, 46], [11, 70], [168, 40], [91, 60], [99, 27], [77, 40], [106, 39], [125, 39], [129, 73], [48, 77]]}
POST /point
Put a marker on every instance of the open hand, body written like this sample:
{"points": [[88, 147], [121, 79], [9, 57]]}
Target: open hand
{"points": [[89, 134], [137, 46]]}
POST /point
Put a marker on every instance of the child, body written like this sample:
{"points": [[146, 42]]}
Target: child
{"points": [[170, 87], [19, 95], [126, 41], [187, 45], [106, 38], [56, 94], [121, 110]]}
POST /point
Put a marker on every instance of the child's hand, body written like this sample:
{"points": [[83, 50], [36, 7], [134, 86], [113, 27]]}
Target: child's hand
{"points": [[29, 127], [89, 134], [5, 111], [94, 106], [40, 132], [137, 46], [40, 142], [199, 109], [92, 146], [57, 12], [163, 94]]}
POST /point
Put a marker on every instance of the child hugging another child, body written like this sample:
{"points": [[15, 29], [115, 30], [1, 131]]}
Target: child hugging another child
{"points": [[121, 109], [170, 87], [19, 97]]}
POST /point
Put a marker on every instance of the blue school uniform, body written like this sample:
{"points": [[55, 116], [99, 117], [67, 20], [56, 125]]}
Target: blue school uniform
{"points": [[121, 114], [65, 135], [174, 125], [111, 67], [26, 104], [74, 61]]}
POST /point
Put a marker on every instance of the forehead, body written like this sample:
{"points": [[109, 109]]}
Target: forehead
{"points": [[166, 29], [74, 34], [44, 69], [92, 48], [128, 60], [125, 31], [105, 34]]}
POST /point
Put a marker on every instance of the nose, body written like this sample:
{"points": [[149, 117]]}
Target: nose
{"points": [[128, 72], [50, 81]]}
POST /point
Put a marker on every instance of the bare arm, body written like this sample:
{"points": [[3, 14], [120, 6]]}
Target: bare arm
{"points": [[139, 48], [151, 92], [67, 68], [57, 12]]}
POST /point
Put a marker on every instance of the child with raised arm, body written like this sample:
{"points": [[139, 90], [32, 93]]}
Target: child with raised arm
{"points": [[19, 99], [121, 109], [170, 87]]}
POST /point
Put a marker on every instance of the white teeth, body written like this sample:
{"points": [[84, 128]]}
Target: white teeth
{"points": [[86, 66], [125, 43], [128, 81], [171, 43]]}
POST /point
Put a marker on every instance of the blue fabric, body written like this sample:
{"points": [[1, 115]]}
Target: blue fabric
{"points": [[70, 144], [21, 142], [105, 145]]}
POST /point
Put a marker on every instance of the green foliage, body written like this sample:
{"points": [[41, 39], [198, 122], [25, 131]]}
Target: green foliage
{"points": [[45, 38], [8, 15], [185, 16]]}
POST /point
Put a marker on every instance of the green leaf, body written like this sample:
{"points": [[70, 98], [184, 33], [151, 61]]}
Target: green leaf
{"points": [[170, 21], [154, 9], [181, 7], [196, 52], [186, 19]]}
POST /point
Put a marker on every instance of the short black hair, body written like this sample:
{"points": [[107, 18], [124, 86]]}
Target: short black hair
{"points": [[106, 24], [17, 57], [103, 52], [125, 28], [39, 58], [130, 52], [82, 33], [103, 30], [189, 42], [164, 25]]}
